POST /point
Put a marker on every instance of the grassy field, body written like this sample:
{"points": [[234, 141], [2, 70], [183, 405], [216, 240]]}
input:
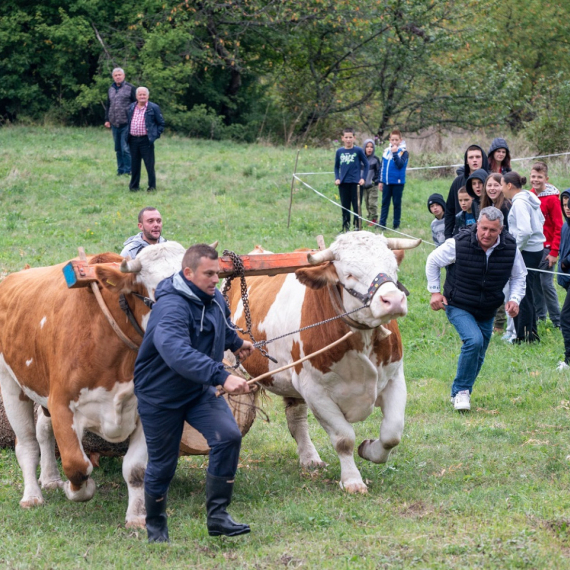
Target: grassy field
{"points": [[489, 489]]}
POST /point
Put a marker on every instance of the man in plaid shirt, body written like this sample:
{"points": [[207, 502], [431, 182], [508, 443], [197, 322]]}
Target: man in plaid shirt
{"points": [[146, 124]]}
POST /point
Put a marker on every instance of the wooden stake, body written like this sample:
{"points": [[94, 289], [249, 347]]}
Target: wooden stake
{"points": [[358, 206], [292, 186], [277, 370]]}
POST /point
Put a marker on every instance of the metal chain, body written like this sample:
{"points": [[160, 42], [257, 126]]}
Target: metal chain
{"points": [[239, 271]]}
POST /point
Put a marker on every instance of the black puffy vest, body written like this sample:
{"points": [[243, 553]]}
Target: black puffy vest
{"points": [[472, 283]]}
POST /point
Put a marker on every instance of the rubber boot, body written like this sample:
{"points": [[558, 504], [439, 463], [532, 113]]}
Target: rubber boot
{"points": [[218, 497], [156, 527]]}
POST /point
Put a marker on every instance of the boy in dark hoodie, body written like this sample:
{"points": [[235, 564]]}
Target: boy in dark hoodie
{"points": [[474, 159], [436, 206], [475, 187], [466, 217], [350, 171], [371, 184], [564, 280]]}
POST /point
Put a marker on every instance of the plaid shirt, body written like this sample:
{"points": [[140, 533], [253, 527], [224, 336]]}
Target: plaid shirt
{"points": [[138, 126]]}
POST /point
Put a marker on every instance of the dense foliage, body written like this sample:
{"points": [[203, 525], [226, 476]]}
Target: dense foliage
{"points": [[283, 69]]}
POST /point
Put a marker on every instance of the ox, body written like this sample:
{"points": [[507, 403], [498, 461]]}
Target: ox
{"points": [[58, 350], [343, 385]]}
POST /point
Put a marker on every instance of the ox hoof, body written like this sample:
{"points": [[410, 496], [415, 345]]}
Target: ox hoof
{"points": [[85, 493], [31, 502], [51, 485], [363, 449], [378, 454], [354, 487], [136, 522], [314, 464]]}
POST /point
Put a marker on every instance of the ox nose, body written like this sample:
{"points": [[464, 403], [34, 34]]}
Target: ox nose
{"points": [[394, 303]]}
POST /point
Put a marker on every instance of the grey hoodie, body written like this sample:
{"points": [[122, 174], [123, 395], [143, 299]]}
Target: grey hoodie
{"points": [[374, 165], [526, 221], [134, 244]]}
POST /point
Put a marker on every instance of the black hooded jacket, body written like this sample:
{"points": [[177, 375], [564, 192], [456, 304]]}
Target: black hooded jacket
{"points": [[452, 207]]}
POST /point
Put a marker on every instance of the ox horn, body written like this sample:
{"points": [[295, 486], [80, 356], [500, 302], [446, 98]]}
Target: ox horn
{"points": [[320, 256], [131, 266], [215, 244], [402, 243]]}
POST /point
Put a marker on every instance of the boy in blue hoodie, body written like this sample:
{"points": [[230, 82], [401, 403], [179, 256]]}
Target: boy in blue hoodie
{"points": [[393, 177], [564, 280], [177, 369], [350, 170], [372, 182]]}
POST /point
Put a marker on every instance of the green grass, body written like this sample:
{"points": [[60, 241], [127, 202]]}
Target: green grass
{"points": [[488, 489]]}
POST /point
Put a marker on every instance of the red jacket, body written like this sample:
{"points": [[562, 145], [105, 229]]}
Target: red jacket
{"points": [[550, 208]]}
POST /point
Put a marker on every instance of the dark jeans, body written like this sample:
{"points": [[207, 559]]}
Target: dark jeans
{"points": [[120, 135], [545, 296], [163, 428], [525, 321], [391, 192], [348, 201], [565, 327], [141, 148]]}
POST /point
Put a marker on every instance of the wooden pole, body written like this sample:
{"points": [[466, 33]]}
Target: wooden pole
{"points": [[287, 366], [292, 186]]}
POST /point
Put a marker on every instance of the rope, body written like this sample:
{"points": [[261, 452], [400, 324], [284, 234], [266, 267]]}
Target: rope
{"points": [[402, 233], [453, 165]]}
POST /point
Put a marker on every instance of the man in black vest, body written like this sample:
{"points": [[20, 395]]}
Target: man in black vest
{"points": [[481, 260], [119, 97]]}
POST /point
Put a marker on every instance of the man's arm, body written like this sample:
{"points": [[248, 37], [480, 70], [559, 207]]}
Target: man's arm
{"points": [[172, 340], [443, 256], [337, 167], [107, 105], [517, 279], [450, 211], [159, 119]]}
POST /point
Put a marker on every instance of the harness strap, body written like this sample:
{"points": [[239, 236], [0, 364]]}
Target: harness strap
{"points": [[338, 306], [123, 303]]}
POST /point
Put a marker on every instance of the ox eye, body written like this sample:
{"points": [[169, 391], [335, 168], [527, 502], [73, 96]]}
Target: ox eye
{"points": [[350, 276]]}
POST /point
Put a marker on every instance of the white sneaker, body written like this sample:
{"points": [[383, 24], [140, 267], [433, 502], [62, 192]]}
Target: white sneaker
{"points": [[508, 337], [562, 366], [462, 401]]}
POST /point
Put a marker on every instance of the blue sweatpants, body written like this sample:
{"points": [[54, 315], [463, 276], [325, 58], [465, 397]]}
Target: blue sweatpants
{"points": [[163, 427]]}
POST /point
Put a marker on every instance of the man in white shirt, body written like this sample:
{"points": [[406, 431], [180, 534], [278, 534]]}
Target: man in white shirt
{"points": [[481, 260]]}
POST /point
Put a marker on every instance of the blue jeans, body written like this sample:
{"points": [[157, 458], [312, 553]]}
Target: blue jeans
{"points": [[544, 293], [391, 192], [122, 150], [475, 336], [163, 428]]}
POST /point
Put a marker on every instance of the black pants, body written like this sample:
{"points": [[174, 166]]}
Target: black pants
{"points": [[348, 201], [565, 327], [526, 320], [163, 428], [141, 148]]}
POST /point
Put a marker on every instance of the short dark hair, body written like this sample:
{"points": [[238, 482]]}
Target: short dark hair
{"points": [[195, 252], [540, 167], [463, 190], [347, 130], [474, 147], [147, 209]]}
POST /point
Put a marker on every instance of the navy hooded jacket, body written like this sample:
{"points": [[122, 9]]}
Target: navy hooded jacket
{"points": [[564, 251], [183, 346]]}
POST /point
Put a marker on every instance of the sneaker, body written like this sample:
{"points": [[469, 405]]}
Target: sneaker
{"points": [[508, 337], [462, 401], [562, 366], [372, 222]]}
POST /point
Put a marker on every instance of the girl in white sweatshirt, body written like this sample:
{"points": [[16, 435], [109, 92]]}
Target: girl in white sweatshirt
{"points": [[525, 225]]}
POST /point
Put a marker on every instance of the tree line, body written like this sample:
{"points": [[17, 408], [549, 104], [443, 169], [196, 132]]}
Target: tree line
{"points": [[288, 70]]}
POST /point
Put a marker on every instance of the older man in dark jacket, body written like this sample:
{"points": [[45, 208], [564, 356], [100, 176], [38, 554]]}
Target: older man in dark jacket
{"points": [[120, 96], [146, 124], [177, 369]]}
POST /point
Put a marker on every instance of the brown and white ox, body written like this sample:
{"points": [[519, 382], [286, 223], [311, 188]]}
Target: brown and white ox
{"points": [[58, 350], [341, 386]]}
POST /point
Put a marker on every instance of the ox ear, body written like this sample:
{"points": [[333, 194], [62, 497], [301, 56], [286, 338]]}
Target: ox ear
{"points": [[317, 277], [115, 280], [399, 253]]}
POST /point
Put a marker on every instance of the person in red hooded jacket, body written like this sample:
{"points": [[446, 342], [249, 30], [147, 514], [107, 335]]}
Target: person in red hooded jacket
{"points": [[545, 296]]}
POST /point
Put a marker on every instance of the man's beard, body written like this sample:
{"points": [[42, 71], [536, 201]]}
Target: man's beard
{"points": [[149, 237]]}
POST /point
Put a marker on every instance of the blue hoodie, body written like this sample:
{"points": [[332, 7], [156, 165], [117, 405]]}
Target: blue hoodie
{"points": [[183, 346], [394, 165]]}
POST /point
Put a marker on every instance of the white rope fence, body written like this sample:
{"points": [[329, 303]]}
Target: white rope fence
{"points": [[362, 219], [453, 165]]}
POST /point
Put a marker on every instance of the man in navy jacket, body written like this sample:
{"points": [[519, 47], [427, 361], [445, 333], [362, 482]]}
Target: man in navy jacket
{"points": [[177, 370], [145, 126]]}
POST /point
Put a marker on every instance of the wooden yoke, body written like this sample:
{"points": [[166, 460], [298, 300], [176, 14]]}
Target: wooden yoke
{"points": [[78, 273]]}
